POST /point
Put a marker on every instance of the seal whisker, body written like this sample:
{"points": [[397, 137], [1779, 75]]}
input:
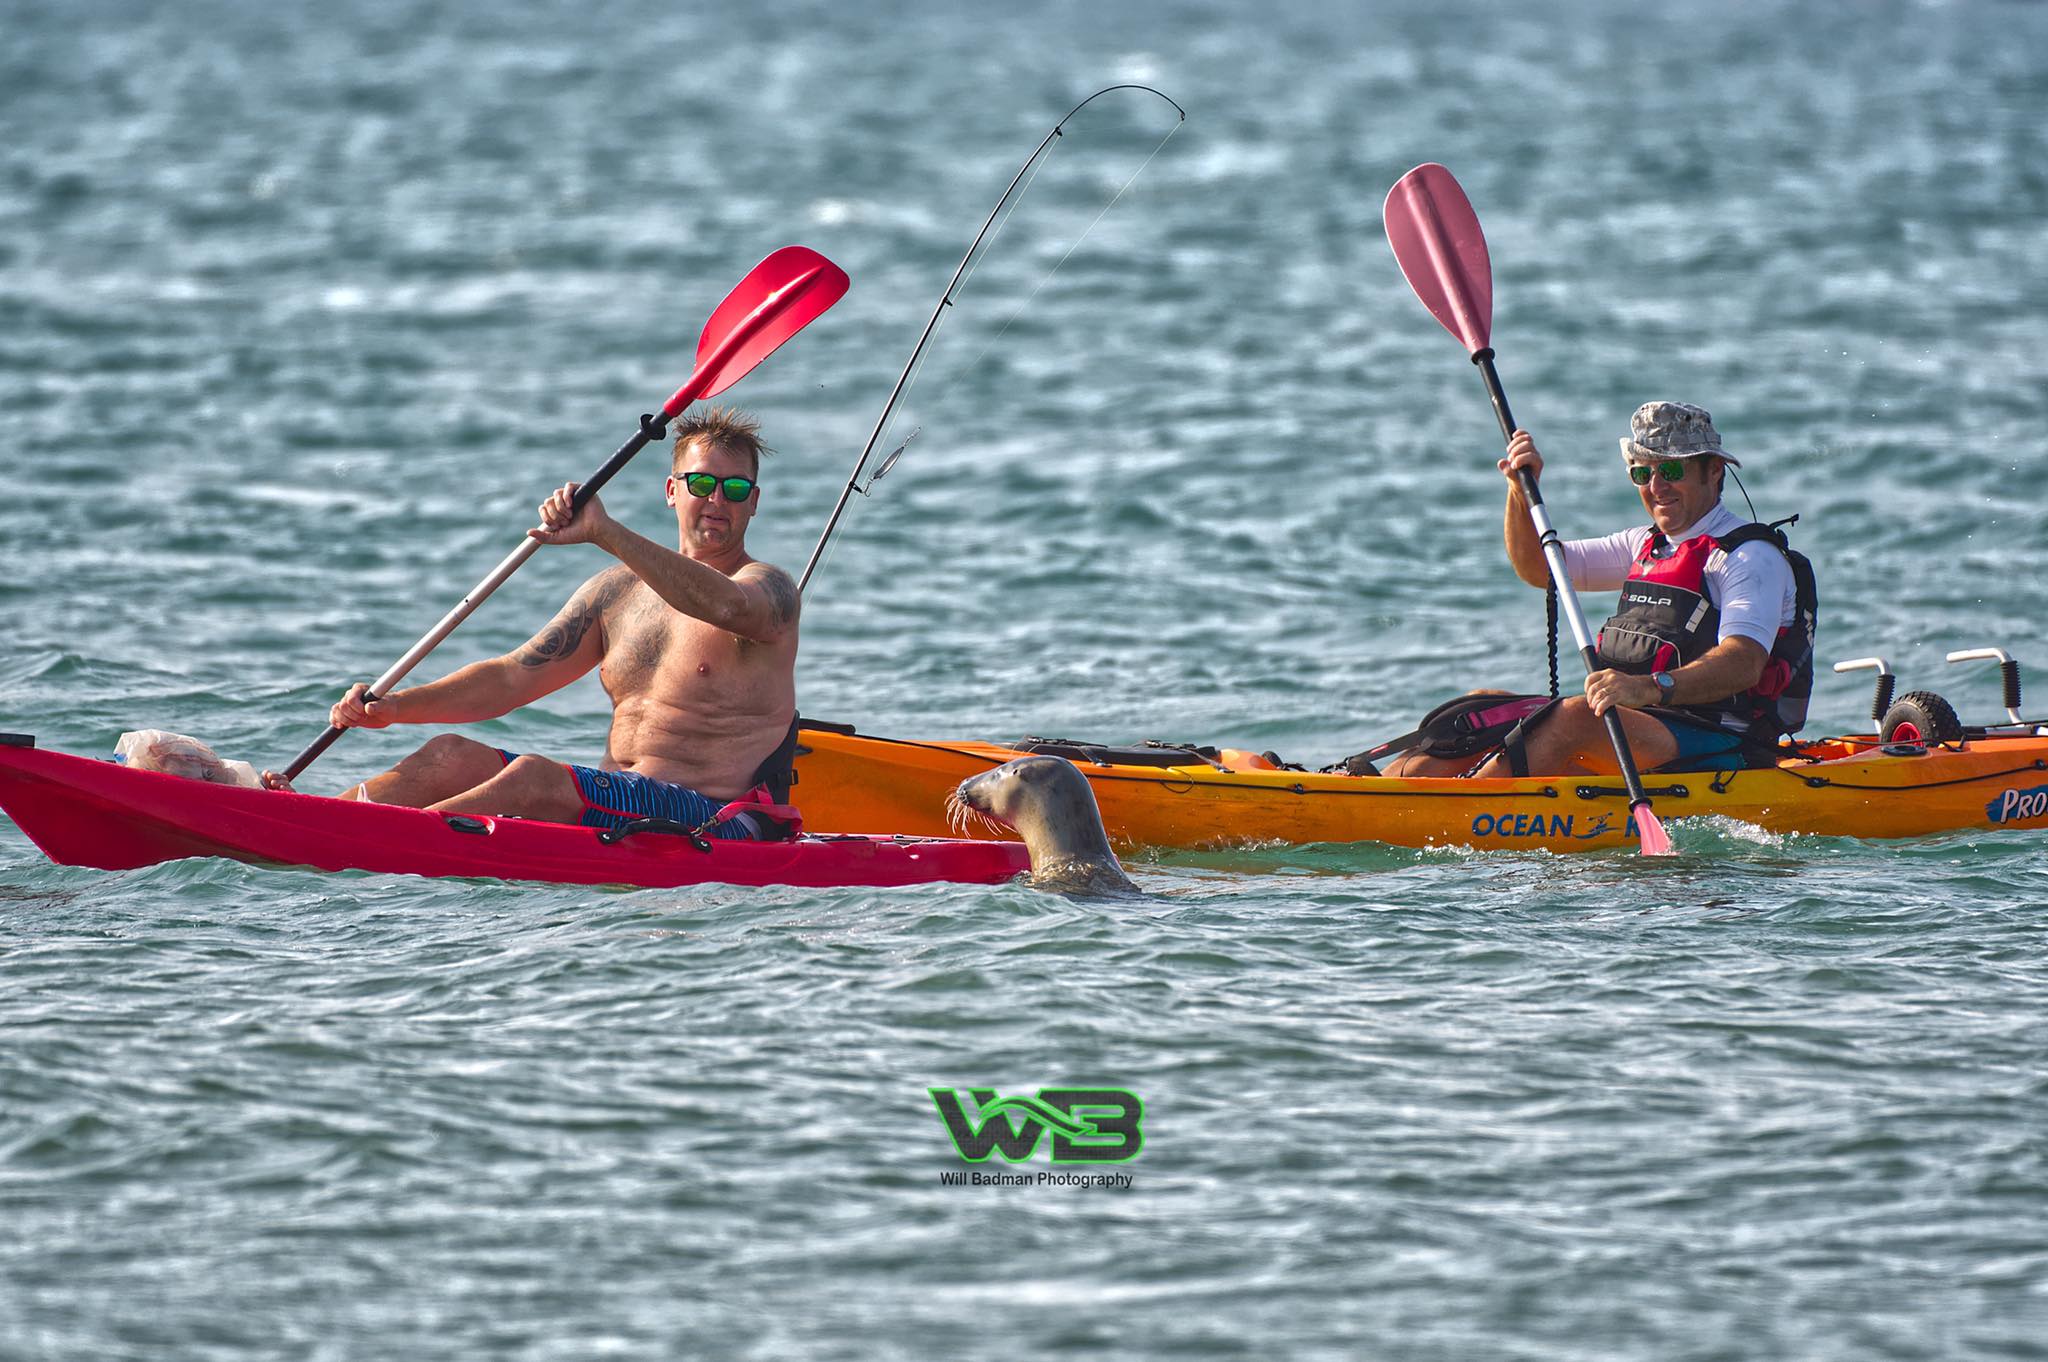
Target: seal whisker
{"points": [[963, 814]]}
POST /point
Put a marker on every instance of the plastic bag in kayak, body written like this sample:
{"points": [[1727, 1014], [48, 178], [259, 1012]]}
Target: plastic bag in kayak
{"points": [[174, 754]]}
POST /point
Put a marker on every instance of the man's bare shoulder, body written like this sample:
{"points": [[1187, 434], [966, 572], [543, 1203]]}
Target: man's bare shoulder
{"points": [[779, 585], [609, 587]]}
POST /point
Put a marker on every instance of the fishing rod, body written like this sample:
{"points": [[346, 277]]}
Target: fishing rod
{"points": [[931, 326]]}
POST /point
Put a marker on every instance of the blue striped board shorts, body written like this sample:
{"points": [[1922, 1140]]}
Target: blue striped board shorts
{"points": [[612, 799]]}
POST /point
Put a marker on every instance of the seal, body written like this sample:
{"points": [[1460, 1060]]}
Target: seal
{"points": [[1047, 802]]}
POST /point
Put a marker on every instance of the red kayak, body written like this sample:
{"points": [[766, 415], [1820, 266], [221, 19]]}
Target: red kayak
{"points": [[101, 813]]}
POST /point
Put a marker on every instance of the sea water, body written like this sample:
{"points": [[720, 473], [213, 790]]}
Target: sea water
{"points": [[303, 309]]}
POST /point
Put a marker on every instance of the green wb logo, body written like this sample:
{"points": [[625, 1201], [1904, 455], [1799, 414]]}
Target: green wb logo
{"points": [[1088, 1125]]}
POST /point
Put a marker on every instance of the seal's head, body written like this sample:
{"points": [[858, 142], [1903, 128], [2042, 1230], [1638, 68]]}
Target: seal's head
{"points": [[1047, 803]]}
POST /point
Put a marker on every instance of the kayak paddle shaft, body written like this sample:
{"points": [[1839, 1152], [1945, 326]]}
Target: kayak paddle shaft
{"points": [[1560, 576]]}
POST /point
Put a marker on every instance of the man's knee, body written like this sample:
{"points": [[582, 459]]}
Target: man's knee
{"points": [[447, 763], [537, 788], [444, 748], [1575, 713], [530, 768], [539, 775], [1568, 728]]}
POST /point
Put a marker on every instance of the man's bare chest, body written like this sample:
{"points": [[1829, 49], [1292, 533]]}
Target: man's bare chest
{"points": [[650, 647]]}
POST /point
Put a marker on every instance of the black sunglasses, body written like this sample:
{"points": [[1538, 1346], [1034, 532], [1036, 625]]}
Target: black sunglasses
{"points": [[1672, 470], [701, 485]]}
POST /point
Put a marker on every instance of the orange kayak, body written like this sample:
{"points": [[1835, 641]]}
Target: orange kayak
{"points": [[1836, 787]]}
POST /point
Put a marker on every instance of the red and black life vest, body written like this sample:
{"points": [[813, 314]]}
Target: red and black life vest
{"points": [[1665, 621]]}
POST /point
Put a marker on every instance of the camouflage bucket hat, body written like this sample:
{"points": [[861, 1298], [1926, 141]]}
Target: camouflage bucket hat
{"points": [[1672, 430]]}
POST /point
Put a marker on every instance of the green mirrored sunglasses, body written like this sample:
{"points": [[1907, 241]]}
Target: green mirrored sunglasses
{"points": [[700, 485], [1672, 470]]}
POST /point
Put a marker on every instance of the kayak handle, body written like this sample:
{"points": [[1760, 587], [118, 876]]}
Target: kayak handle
{"points": [[1622, 792], [2008, 669], [1887, 683], [611, 837]]}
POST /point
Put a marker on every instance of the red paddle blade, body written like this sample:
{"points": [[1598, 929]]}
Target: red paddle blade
{"points": [[1436, 239], [778, 298]]}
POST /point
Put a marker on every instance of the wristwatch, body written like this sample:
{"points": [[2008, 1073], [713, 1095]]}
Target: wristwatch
{"points": [[1665, 686]]}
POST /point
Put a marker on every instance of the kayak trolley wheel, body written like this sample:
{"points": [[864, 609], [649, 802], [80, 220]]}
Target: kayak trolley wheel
{"points": [[1921, 716]]}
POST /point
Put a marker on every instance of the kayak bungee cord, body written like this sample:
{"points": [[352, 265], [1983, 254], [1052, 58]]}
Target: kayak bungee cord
{"points": [[977, 252]]}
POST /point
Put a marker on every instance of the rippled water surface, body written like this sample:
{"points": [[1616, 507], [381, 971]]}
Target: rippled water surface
{"points": [[302, 310]]}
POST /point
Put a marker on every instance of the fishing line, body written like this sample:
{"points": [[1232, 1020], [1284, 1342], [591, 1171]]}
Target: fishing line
{"points": [[978, 252], [890, 461], [1011, 320]]}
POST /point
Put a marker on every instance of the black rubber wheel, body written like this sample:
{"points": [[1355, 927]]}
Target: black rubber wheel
{"points": [[1923, 717]]}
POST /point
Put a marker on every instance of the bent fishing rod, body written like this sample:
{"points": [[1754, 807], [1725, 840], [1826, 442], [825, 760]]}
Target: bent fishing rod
{"points": [[945, 301]]}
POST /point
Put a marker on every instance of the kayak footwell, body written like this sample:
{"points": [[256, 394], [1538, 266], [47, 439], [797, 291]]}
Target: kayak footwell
{"points": [[105, 815]]}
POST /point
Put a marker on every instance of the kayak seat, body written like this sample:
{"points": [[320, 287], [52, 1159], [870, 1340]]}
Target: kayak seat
{"points": [[775, 775], [778, 771]]}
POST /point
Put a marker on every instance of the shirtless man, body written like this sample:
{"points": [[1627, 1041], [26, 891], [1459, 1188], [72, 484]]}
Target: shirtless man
{"points": [[696, 646]]}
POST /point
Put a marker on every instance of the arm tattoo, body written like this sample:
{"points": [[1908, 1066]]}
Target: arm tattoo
{"points": [[782, 595], [560, 639]]}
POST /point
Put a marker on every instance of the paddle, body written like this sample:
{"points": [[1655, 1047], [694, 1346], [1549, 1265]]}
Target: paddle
{"points": [[778, 298], [1437, 240]]}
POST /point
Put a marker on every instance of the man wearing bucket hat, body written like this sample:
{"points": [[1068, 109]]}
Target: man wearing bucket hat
{"points": [[1710, 656]]}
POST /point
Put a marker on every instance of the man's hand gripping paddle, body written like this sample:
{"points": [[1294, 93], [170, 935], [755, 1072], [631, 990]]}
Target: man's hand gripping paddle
{"points": [[1436, 239], [778, 298]]}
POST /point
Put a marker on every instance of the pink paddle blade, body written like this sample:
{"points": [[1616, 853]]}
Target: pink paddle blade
{"points": [[1651, 839], [1436, 238], [778, 298]]}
